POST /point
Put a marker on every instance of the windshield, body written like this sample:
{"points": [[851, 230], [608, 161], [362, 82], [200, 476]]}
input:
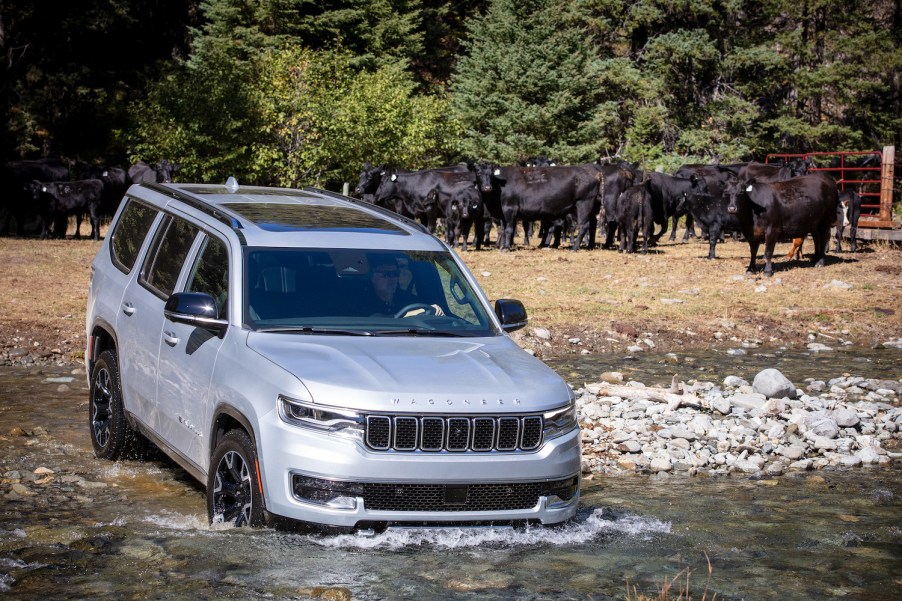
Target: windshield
{"points": [[360, 292]]}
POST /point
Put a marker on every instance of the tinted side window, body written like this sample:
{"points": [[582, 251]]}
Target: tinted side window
{"points": [[210, 274], [167, 255], [129, 234]]}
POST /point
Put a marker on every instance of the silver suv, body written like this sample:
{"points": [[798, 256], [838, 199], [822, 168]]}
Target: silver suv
{"points": [[315, 359]]}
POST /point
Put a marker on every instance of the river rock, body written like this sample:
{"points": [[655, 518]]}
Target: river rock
{"points": [[748, 401], [683, 433], [750, 464], [612, 377], [721, 404], [792, 452], [734, 382], [824, 444], [817, 347], [629, 446], [773, 384], [541, 333], [821, 425], [774, 406], [868, 455], [845, 418], [661, 464]]}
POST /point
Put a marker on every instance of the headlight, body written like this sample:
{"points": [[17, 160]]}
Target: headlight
{"points": [[560, 421], [329, 420]]}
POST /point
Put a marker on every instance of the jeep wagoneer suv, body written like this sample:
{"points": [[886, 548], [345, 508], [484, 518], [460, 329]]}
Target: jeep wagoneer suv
{"points": [[314, 359]]}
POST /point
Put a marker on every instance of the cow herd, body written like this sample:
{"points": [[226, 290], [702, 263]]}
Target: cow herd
{"points": [[40, 195], [763, 203]]}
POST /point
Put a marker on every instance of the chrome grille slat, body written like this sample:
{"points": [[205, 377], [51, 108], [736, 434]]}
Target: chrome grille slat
{"points": [[434, 433]]}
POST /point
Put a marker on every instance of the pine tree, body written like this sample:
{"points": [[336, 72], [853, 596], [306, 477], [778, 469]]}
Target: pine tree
{"points": [[528, 85]]}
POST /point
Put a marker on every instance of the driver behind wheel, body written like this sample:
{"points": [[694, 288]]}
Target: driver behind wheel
{"points": [[388, 297]]}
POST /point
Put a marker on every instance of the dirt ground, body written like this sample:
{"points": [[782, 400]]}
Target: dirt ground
{"points": [[596, 301]]}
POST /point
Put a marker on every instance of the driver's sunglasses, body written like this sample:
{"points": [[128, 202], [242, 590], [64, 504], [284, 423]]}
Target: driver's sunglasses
{"points": [[387, 273]]}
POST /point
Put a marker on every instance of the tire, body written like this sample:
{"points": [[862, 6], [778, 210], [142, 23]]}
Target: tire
{"points": [[233, 485], [111, 436]]}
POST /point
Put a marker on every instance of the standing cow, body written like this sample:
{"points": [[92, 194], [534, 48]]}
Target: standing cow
{"points": [[710, 212], [115, 183], [545, 193], [160, 173], [57, 201], [668, 193], [766, 173], [847, 213], [634, 214], [716, 177], [769, 212], [16, 199]]}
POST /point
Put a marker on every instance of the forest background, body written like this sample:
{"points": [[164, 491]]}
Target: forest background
{"points": [[296, 92]]}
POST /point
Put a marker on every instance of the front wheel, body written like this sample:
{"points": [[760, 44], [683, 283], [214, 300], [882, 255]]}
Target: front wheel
{"points": [[233, 486]]}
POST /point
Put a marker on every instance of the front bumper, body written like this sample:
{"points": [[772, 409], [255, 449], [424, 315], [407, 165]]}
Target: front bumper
{"points": [[437, 488]]}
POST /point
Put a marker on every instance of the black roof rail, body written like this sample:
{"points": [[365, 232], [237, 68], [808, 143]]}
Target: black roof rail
{"points": [[225, 217], [382, 210]]}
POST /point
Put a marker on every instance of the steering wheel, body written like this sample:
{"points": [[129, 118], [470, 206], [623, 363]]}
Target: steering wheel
{"points": [[429, 309]]}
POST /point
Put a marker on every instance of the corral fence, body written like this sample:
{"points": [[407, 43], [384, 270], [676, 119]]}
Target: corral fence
{"points": [[869, 172]]}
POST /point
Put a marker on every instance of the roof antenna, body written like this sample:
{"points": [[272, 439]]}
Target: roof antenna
{"points": [[231, 184]]}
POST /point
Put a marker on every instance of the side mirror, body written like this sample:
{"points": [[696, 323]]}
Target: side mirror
{"points": [[195, 309], [511, 313]]}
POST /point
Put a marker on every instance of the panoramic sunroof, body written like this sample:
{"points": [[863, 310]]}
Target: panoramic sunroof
{"points": [[288, 217]]}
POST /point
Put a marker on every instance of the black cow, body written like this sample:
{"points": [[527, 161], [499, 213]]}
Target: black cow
{"points": [[115, 183], [15, 196], [471, 205], [56, 201], [710, 212], [850, 207], [371, 177], [160, 173], [716, 177], [669, 193], [545, 193], [616, 178], [634, 214], [781, 210], [421, 194], [764, 173]]}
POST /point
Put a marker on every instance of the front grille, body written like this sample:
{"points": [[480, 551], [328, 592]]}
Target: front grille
{"points": [[454, 434]]}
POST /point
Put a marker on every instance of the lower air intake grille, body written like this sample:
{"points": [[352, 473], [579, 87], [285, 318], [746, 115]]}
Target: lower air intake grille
{"points": [[473, 497]]}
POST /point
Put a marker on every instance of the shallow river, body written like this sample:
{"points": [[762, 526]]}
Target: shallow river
{"points": [[137, 530]]}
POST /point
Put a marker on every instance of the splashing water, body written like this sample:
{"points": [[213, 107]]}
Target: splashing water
{"points": [[594, 523]]}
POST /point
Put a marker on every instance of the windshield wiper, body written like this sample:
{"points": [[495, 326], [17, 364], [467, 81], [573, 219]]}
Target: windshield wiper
{"points": [[313, 330], [418, 332]]}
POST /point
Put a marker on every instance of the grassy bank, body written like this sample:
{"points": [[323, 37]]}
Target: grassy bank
{"points": [[672, 298]]}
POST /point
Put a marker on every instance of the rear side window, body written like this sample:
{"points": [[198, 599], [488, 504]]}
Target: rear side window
{"points": [[129, 234], [167, 255]]}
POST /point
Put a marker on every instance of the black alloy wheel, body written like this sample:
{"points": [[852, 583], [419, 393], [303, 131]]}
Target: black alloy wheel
{"points": [[233, 491], [111, 436]]}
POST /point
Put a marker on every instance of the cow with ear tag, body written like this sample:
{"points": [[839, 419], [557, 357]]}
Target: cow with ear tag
{"points": [[769, 212]]}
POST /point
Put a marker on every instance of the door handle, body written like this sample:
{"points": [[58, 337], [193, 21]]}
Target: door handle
{"points": [[170, 338], [128, 308]]}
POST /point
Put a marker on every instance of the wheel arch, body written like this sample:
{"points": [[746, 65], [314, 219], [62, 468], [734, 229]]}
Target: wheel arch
{"points": [[102, 338], [228, 418]]}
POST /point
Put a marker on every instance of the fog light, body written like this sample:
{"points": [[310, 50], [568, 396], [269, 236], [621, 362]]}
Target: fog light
{"points": [[328, 493], [343, 503]]}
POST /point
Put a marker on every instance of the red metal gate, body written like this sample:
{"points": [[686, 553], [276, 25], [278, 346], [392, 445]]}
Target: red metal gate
{"points": [[871, 176]]}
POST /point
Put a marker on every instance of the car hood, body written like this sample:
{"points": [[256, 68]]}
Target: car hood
{"points": [[473, 375]]}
